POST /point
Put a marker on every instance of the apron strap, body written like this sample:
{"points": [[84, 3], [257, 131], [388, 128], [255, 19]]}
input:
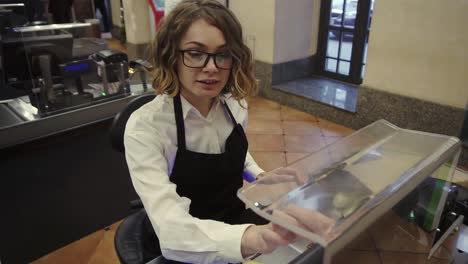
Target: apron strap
{"points": [[179, 122], [230, 113]]}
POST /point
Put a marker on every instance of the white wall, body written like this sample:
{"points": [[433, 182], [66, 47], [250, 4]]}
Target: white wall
{"points": [[258, 20], [419, 48], [115, 12], [137, 21], [293, 27], [170, 4], [315, 27]]}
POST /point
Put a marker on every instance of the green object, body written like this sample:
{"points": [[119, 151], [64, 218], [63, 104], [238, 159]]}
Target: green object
{"points": [[432, 208], [441, 176]]}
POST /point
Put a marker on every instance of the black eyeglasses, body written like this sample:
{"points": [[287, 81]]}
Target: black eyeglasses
{"points": [[199, 59]]}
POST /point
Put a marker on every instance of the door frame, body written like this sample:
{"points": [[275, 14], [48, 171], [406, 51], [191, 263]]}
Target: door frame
{"points": [[361, 31]]}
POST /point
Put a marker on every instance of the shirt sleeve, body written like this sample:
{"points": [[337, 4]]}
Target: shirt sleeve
{"points": [[251, 168], [182, 237]]}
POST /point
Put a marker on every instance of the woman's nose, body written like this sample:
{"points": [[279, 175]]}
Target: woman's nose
{"points": [[211, 65]]}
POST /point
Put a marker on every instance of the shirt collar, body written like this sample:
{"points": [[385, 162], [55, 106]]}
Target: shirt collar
{"points": [[187, 107]]}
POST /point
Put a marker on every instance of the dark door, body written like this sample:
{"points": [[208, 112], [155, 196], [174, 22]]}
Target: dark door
{"points": [[344, 34]]}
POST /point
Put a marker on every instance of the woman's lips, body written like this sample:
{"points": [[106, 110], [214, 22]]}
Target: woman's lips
{"points": [[208, 84], [210, 81]]}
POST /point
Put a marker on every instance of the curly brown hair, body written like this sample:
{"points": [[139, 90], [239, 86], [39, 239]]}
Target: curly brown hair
{"points": [[165, 48]]}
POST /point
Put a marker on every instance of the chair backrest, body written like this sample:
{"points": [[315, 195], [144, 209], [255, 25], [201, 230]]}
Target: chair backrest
{"points": [[117, 129]]}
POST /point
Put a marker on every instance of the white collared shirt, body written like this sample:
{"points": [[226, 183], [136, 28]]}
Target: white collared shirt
{"points": [[150, 148]]}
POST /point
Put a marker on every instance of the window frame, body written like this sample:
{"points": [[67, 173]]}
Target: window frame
{"points": [[361, 32]]}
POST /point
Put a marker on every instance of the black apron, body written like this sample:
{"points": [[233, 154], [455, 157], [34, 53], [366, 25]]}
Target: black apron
{"points": [[211, 181]]}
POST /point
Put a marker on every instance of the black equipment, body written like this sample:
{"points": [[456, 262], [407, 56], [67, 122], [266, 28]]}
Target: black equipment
{"points": [[110, 56], [112, 66], [12, 15], [75, 70]]}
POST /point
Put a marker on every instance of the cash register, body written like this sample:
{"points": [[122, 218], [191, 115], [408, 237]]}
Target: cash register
{"points": [[52, 66], [53, 78], [41, 65]]}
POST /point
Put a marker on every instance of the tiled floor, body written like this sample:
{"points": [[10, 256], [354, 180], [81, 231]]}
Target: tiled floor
{"points": [[116, 44], [278, 135]]}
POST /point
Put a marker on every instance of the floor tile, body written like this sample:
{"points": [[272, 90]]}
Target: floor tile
{"points": [[408, 258], [294, 156], [259, 142], [347, 256], [115, 225], [362, 242], [331, 139], [439, 261], [105, 251], [333, 129], [272, 127], [116, 44], [260, 114], [303, 143], [296, 128], [392, 233], [77, 252], [288, 113], [262, 104], [269, 160]]}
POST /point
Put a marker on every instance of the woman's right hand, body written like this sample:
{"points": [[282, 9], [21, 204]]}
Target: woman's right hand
{"points": [[264, 239]]}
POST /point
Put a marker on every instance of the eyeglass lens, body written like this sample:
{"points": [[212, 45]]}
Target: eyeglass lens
{"points": [[198, 59]]}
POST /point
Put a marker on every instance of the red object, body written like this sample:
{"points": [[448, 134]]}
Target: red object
{"points": [[157, 14]]}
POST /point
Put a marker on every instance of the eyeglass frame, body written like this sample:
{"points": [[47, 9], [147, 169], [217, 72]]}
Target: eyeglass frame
{"points": [[210, 55]]}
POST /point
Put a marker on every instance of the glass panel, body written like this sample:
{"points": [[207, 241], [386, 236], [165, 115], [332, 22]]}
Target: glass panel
{"points": [[364, 58], [330, 65], [344, 68], [363, 70], [346, 46], [333, 44], [371, 12], [350, 13], [336, 13]]}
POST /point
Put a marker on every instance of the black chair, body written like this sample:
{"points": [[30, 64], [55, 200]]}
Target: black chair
{"points": [[120, 121], [130, 235]]}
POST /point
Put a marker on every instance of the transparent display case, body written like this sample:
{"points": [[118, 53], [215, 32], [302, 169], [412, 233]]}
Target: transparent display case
{"points": [[378, 170]]}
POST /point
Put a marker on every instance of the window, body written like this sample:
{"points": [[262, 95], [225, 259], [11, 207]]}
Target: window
{"points": [[344, 34]]}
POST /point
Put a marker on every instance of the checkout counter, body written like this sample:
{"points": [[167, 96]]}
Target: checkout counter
{"points": [[53, 80], [59, 90]]}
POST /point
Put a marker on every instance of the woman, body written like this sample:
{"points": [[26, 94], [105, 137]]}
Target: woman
{"points": [[187, 151]]}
